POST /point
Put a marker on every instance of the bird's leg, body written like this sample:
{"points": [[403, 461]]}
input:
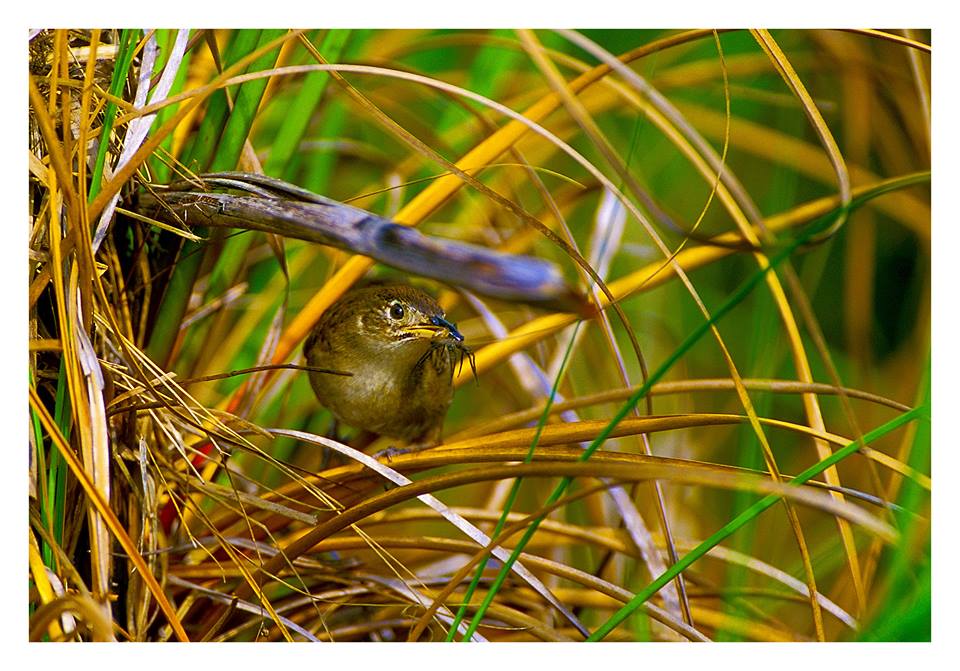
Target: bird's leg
{"points": [[363, 440], [333, 433]]}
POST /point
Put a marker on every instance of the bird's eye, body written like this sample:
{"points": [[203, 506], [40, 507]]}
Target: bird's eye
{"points": [[396, 311]]}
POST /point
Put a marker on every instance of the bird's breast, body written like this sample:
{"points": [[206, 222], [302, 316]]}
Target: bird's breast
{"points": [[400, 392]]}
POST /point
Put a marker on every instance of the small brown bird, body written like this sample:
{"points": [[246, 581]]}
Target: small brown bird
{"points": [[400, 351]]}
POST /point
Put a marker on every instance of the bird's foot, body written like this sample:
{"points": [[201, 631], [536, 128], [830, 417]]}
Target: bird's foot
{"points": [[389, 453], [394, 451]]}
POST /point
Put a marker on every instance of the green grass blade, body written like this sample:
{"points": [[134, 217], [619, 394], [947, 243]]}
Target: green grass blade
{"points": [[490, 72], [42, 474], [318, 168], [234, 252], [303, 108], [205, 146], [57, 474], [248, 98], [515, 488], [905, 612], [201, 154], [120, 71], [745, 517]]}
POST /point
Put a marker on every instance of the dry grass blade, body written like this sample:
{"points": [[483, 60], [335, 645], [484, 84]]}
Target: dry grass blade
{"points": [[110, 519], [42, 581], [892, 37], [88, 609], [137, 130], [681, 472], [780, 61], [520, 418]]}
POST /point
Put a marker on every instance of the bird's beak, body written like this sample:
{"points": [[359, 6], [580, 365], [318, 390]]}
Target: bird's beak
{"points": [[437, 327]]}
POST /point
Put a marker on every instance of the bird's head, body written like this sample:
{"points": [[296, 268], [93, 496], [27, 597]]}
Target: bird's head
{"points": [[399, 315]]}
